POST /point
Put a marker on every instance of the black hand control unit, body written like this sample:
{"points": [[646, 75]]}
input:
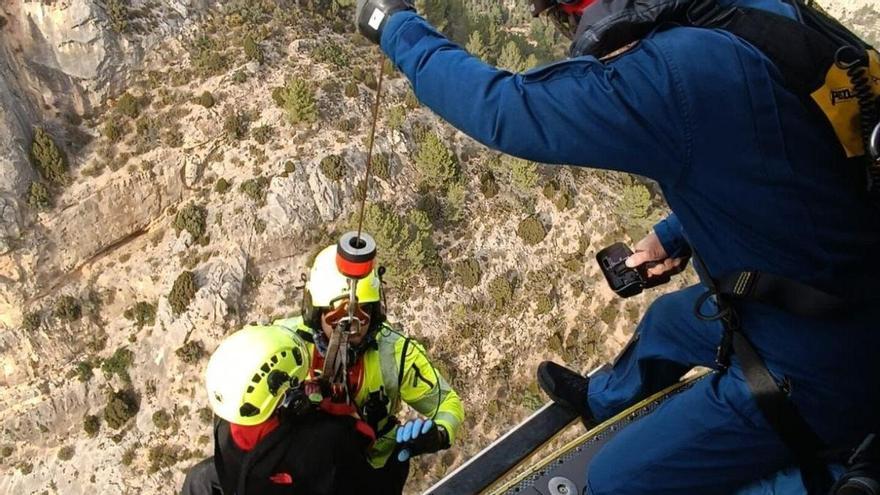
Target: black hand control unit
{"points": [[625, 281]]}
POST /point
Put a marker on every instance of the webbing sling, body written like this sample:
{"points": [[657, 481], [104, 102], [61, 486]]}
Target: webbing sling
{"points": [[772, 399], [780, 292]]}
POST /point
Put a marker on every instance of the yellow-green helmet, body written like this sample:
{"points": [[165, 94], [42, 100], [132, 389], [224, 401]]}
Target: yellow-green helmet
{"points": [[326, 284], [251, 370]]}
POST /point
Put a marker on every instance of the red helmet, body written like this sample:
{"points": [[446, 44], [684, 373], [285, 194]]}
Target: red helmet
{"points": [[566, 14]]}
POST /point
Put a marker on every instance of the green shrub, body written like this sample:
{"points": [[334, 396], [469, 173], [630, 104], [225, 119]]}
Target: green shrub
{"points": [[118, 364], [122, 405], [129, 106], [531, 231], [3, 22], [128, 456], [331, 52], [289, 167], [333, 167], [523, 173], [396, 117], [351, 89], [609, 313], [113, 129], [163, 456], [488, 185], [32, 321], [236, 124], [6, 451], [635, 204], [381, 166], [437, 164], [47, 158], [263, 134], [83, 370], [468, 272], [142, 313], [39, 197], [206, 99], [182, 292], [252, 50], [206, 58], [193, 219], [162, 419], [255, 189], [501, 292], [406, 240], [66, 453], [297, 98], [206, 415], [91, 425], [26, 468], [191, 352], [543, 304], [117, 13], [222, 185], [68, 308]]}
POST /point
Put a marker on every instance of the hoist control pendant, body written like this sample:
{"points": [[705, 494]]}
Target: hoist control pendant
{"points": [[355, 254]]}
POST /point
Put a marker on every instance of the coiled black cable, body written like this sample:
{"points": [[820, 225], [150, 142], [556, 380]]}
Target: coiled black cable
{"points": [[857, 66]]}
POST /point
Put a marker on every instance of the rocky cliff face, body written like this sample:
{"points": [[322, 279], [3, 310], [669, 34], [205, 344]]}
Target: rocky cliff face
{"points": [[185, 156]]}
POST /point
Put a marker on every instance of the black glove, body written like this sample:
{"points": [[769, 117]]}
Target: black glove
{"points": [[418, 437], [372, 15]]}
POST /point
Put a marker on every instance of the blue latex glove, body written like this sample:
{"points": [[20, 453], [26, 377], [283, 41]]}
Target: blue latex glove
{"points": [[408, 435]]}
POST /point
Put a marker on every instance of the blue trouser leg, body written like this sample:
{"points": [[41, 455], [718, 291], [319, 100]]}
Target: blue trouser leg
{"points": [[669, 341], [709, 439]]}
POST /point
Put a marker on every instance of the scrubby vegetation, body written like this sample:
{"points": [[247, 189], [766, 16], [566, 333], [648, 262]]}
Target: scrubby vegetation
{"points": [[436, 163], [193, 219], [118, 364], [297, 98], [206, 99], [468, 272], [39, 197], [182, 292], [66, 453], [68, 308], [162, 419], [91, 425], [255, 189], [142, 313], [122, 405], [531, 231], [191, 352], [333, 167], [47, 158], [406, 240]]}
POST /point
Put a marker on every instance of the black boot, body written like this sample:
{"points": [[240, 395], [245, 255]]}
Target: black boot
{"points": [[566, 387]]}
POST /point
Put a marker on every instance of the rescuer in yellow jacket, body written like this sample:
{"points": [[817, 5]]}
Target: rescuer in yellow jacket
{"points": [[386, 369]]}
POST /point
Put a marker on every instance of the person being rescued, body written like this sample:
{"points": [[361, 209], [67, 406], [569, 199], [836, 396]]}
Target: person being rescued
{"points": [[268, 437], [386, 369]]}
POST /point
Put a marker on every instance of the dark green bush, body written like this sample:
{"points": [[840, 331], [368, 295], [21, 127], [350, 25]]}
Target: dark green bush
{"points": [[91, 425], [39, 197], [236, 124], [142, 313], [32, 321], [128, 456], [501, 292], [206, 100], [117, 12], [222, 185], [47, 158], [331, 52], [118, 364], [437, 164], [206, 57], [122, 405], [162, 419], [488, 185], [351, 89], [635, 203], [468, 272], [333, 167], [6, 451], [252, 50], [263, 134], [543, 304], [191, 352], [406, 240], [83, 370], [163, 456], [255, 189], [182, 292], [193, 219], [129, 106], [206, 415], [531, 231], [289, 167], [68, 308], [297, 98], [66, 453], [113, 129], [381, 166]]}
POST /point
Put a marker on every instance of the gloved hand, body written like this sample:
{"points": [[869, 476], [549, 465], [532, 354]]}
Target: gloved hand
{"points": [[372, 15], [418, 436], [650, 250]]}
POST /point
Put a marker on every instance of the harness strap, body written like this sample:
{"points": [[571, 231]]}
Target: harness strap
{"points": [[783, 293]]}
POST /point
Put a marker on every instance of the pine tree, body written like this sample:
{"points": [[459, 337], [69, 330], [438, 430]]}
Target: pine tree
{"points": [[436, 163], [297, 97], [511, 58], [476, 46], [47, 158]]}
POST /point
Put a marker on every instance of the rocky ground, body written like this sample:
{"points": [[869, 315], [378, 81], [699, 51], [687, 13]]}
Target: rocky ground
{"points": [[195, 192]]}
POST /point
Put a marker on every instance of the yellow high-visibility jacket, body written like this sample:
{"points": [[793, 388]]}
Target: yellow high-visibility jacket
{"points": [[410, 378]]}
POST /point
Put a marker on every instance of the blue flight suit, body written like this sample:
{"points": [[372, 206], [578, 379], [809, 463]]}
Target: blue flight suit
{"points": [[755, 183]]}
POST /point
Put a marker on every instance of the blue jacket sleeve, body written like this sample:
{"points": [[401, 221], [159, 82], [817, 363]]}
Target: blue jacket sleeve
{"points": [[672, 237], [623, 115]]}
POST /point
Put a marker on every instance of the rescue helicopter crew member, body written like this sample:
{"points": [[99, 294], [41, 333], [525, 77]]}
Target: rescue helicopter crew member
{"points": [[386, 369], [756, 181], [269, 438]]}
